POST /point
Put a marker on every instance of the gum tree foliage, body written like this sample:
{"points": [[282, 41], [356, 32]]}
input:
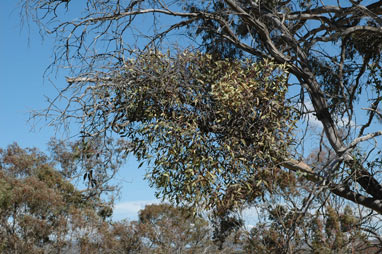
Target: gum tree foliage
{"points": [[167, 229], [163, 228], [41, 211], [332, 231], [216, 123]]}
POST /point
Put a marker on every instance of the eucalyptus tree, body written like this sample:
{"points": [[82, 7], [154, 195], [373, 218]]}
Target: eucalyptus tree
{"points": [[41, 211], [220, 119]]}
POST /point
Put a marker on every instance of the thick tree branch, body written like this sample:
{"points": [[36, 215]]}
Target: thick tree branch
{"points": [[345, 192], [374, 203]]}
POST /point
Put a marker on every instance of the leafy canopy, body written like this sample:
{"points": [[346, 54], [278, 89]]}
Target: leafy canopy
{"points": [[41, 211], [211, 131], [206, 120]]}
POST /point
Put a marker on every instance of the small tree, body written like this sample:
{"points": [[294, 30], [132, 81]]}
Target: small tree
{"points": [[163, 228], [326, 231], [40, 210]]}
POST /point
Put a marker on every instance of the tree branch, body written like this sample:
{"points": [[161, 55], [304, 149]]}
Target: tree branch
{"points": [[345, 192], [374, 203]]}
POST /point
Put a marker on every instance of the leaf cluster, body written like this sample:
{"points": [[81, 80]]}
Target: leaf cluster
{"points": [[213, 131]]}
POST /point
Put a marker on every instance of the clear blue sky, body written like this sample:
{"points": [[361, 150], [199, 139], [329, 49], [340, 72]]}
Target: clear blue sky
{"points": [[23, 58]]}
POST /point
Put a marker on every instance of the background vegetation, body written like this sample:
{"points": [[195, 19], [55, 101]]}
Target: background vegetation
{"points": [[222, 121]]}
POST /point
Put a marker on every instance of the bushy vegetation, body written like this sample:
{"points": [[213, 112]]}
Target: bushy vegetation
{"points": [[222, 122]]}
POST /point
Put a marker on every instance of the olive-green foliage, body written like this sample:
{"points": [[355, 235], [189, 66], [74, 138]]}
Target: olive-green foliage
{"points": [[40, 210], [213, 131], [327, 231], [164, 229], [169, 229]]}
